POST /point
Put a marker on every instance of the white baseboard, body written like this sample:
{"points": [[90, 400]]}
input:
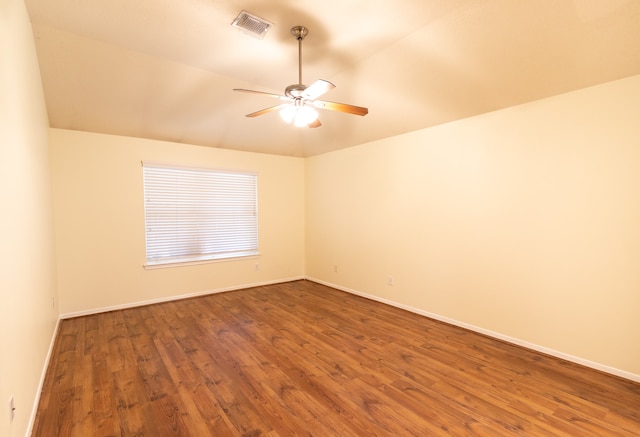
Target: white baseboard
{"points": [[587, 363], [45, 367], [176, 297]]}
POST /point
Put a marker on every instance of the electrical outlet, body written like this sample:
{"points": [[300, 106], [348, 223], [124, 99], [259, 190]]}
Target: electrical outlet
{"points": [[390, 280], [257, 267], [335, 268], [12, 409]]}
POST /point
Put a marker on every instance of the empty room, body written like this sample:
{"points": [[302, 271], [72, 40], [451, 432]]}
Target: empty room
{"points": [[337, 218]]}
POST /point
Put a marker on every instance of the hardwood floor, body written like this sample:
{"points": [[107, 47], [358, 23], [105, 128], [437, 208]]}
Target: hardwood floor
{"points": [[304, 359]]}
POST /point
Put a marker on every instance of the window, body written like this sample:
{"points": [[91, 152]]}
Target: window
{"points": [[194, 214]]}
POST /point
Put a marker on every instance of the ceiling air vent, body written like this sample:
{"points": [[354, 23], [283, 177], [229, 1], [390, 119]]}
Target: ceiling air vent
{"points": [[252, 25]]}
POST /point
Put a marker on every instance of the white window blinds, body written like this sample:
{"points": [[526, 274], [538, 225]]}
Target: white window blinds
{"points": [[194, 214]]}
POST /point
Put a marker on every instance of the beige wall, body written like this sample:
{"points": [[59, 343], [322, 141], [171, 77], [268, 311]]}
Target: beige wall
{"points": [[523, 222], [27, 268], [99, 221]]}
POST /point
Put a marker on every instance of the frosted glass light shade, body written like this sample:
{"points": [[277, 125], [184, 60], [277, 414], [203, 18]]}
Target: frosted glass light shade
{"points": [[300, 116]]}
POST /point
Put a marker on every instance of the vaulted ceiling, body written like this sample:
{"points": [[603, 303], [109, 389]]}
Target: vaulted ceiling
{"points": [[165, 69]]}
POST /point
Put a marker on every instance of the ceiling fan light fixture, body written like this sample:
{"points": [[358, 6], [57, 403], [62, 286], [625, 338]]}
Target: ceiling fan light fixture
{"points": [[299, 115]]}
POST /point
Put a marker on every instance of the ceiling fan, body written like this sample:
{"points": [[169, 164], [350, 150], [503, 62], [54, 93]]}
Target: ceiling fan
{"points": [[301, 99]]}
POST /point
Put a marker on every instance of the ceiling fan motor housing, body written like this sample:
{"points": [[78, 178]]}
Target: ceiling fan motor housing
{"points": [[295, 91]]}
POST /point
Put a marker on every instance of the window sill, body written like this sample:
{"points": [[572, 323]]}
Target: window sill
{"points": [[195, 262]]}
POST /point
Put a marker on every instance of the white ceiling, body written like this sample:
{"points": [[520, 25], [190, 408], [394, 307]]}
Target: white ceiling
{"points": [[165, 69]]}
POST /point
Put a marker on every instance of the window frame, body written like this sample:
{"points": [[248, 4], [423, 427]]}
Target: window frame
{"points": [[200, 182]]}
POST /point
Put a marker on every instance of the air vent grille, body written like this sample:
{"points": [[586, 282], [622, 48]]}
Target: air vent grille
{"points": [[252, 25]]}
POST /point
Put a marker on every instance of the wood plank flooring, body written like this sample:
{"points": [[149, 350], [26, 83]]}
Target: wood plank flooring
{"points": [[302, 359]]}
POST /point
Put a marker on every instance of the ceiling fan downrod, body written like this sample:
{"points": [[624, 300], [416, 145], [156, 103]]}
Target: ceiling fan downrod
{"points": [[299, 33], [295, 91]]}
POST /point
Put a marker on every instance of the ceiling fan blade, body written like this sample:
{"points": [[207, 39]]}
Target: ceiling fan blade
{"points": [[267, 110], [277, 96], [340, 107], [317, 88], [315, 123]]}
